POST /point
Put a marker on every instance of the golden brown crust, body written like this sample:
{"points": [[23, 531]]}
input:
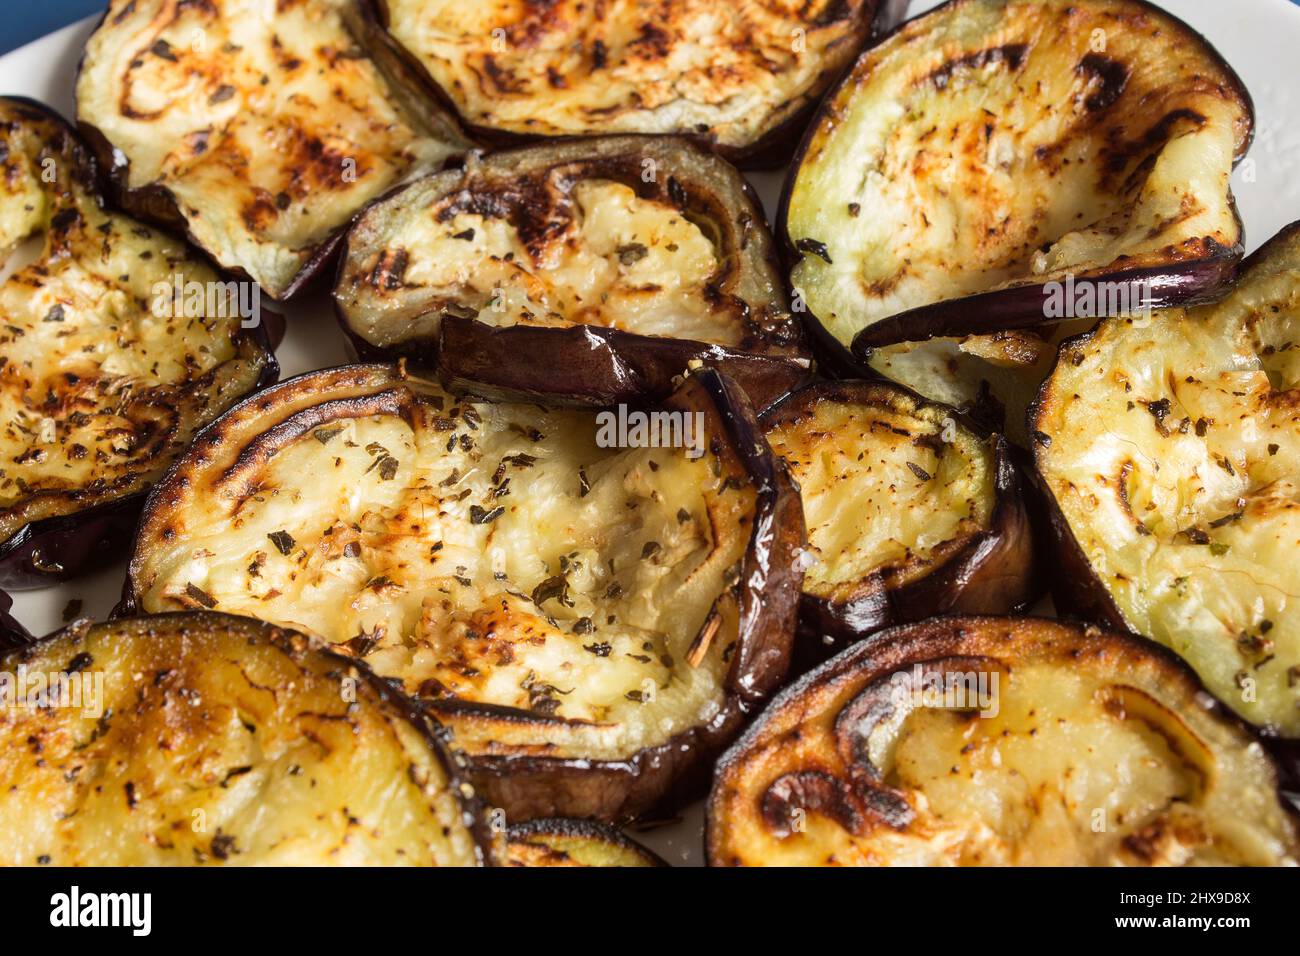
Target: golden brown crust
{"points": [[993, 150], [737, 77], [109, 364], [259, 139], [589, 271], [910, 513], [1167, 448], [574, 843], [203, 739], [592, 620], [998, 741]]}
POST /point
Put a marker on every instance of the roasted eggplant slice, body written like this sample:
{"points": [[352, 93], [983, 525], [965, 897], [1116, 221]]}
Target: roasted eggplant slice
{"points": [[1171, 450], [998, 741], [740, 77], [192, 739], [909, 512], [574, 843], [592, 621], [108, 363], [587, 272], [258, 128], [993, 154]]}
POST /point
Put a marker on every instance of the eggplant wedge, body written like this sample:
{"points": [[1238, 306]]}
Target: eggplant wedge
{"points": [[108, 362], [909, 513], [999, 742], [257, 128], [739, 77], [590, 603], [206, 739], [997, 164], [1170, 451], [541, 843], [588, 272]]}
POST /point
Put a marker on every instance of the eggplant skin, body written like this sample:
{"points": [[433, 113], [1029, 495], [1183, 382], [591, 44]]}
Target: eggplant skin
{"points": [[1010, 145], [296, 756], [592, 623], [583, 843], [739, 78], [258, 138], [12, 633], [583, 366], [585, 272], [1168, 451], [98, 392], [987, 741], [909, 512]]}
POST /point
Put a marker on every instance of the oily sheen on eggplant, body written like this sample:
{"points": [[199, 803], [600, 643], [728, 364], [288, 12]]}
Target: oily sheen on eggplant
{"points": [[909, 513], [206, 739], [998, 741], [992, 148], [12, 633], [739, 77], [1170, 449], [592, 622], [257, 128], [589, 272], [107, 366], [574, 843]]}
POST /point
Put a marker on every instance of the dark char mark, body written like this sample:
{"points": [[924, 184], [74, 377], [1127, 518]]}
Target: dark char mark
{"points": [[1111, 75], [1011, 55]]}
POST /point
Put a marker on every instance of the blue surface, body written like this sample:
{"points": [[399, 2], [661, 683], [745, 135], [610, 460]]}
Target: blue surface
{"points": [[25, 20], [22, 21]]}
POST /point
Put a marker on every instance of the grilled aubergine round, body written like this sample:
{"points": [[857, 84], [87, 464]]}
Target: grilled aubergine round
{"points": [[739, 77], [560, 842], [108, 362], [998, 741], [589, 271], [257, 128], [995, 158], [592, 621], [1170, 447], [909, 513], [206, 739]]}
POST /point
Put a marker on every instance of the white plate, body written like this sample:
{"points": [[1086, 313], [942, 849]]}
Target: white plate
{"points": [[1260, 38]]}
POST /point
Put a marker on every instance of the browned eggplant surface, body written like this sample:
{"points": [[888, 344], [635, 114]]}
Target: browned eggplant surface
{"points": [[589, 272], [1171, 449], [574, 843], [999, 164], [909, 513], [258, 128], [590, 614], [738, 76], [108, 364], [205, 739], [998, 741], [631, 496]]}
